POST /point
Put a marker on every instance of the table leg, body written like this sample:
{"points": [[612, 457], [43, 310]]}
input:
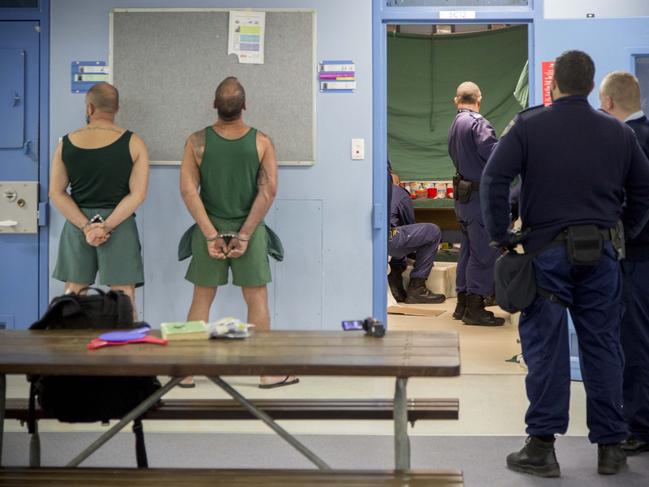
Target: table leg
{"points": [[3, 397], [259, 414], [143, 407], [35, 448], [401, 440]]}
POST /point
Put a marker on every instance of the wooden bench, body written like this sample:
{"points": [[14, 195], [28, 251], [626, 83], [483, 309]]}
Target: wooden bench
{"points": [[278, 409], [105, 477]]}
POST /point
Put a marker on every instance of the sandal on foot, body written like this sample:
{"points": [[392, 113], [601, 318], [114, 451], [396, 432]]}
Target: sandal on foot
{"points": [[281, 383]]}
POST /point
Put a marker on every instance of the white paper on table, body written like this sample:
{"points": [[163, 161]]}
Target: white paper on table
{"points": [[246, 38]]}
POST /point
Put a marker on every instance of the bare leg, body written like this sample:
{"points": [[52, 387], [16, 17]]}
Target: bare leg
{"points": [[258, 314], [257, 301], [200, 310], [74, 287], [129, 290]]}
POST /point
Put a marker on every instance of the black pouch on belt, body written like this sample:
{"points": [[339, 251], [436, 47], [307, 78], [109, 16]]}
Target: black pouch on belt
{"points": [[585, 244], [464, 189], [456, 182], [515, 281]]}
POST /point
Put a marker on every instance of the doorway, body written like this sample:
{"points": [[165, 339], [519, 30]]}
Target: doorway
{"points": [[425, 64]]}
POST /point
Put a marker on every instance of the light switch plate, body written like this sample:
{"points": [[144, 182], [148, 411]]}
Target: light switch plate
{"points": [[358, 149]]}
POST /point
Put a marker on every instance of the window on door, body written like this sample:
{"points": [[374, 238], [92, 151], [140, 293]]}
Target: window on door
{"points": [[642, 73]]}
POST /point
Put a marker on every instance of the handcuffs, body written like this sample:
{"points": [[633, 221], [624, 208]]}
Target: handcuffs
{"points": [[227, 237]]}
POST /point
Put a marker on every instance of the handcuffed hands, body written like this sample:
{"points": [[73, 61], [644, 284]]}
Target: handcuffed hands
{"points": [[96, 234], [219, 249], [237, 247]]}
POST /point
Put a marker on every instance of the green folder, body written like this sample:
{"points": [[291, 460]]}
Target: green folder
{"points": [[184, 330]]}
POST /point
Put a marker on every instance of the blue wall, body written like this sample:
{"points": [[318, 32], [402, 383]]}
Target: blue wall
{"points": [[323, 213], [608, 41]]}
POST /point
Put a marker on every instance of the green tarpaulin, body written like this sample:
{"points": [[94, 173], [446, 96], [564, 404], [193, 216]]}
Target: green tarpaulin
{"points": [[423, 73]]}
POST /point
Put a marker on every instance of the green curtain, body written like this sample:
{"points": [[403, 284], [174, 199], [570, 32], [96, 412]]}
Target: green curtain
{"points": [[423, 73]]}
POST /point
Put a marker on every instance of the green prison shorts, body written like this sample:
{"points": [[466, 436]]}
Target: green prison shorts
{"points": [[118, 261], [250, 270]]}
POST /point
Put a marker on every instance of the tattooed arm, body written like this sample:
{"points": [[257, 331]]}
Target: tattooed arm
{"points": [[190, 181], [266, 187]]}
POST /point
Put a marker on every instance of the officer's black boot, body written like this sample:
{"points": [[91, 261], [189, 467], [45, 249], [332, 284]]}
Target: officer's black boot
{"points": [[610, 459], [490, 301], [537, 457], [633, 446], [395, 280], [475, 313], [460, 308], [418, 293]]}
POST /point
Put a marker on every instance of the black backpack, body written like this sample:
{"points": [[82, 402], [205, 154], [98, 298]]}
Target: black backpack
{"points": [[88, 399]]}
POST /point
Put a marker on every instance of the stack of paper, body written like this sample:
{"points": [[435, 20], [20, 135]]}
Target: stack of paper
{"points": [[184, 330]]}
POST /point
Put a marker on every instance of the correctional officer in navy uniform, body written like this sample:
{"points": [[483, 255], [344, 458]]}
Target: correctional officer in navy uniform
{"points": [[471, 140], [576, 164], [408, 237], [619, 96]]}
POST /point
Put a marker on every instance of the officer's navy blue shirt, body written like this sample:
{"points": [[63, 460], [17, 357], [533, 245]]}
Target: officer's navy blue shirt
{"points": [[576, 164], [401, 209], [638, 248], [471, 140]]}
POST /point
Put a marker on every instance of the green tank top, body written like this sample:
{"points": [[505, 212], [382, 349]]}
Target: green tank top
{"points": [[229, 174], [99, 177]]}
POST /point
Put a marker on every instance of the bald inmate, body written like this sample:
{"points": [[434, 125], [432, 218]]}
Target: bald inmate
{"points": [[468, 93], [104, 97], [230, 99]]}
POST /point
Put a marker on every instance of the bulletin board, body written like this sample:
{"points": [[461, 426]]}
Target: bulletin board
{"points": [[167, 63]]}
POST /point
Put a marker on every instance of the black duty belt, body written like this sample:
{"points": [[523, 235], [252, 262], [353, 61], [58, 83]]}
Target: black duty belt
{"points": [[606, 233]]}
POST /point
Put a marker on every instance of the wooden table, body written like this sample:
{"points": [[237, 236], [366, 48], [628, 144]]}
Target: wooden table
{"points": [[398, 354]]}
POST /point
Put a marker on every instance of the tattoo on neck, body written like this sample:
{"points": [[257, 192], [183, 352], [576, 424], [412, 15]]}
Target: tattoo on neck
{"points": [[112, 129]]}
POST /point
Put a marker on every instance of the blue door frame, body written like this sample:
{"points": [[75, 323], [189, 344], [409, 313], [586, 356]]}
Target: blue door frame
{"points": [[381, 16], [42, 15]]}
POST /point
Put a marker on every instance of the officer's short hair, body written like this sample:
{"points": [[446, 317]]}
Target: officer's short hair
{"points": [[104, 97], [230, 99], [624, 90], [574, 73]]}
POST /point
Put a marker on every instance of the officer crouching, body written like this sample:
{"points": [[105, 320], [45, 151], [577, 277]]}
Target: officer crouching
{"points": [[576, 166]]}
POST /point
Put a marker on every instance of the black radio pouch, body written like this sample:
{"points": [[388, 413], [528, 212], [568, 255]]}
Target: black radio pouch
{"points": [[456, 182], [585, 244], [462, 189]]}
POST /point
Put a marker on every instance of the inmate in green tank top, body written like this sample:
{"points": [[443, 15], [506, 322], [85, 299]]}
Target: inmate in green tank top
{"points": [[229, 174], [98, 177]]}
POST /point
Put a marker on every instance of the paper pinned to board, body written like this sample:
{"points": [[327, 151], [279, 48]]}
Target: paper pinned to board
{"points": [[246, 37]]}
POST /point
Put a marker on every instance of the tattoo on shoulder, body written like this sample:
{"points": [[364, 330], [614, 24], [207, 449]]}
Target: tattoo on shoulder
{"points": [[198, 144], [266, 137], [262, 176]]}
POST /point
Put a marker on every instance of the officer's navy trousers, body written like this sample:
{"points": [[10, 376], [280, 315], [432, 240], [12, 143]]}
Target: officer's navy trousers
{"points": [[594, 295], [421, 238], [475, 267], [635, 343]]}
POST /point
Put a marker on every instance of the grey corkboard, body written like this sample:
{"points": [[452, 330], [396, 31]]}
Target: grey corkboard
{"points": [[167, 65]]}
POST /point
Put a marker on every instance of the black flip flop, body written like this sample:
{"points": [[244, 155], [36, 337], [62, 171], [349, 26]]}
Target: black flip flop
{"points": [[187, 386], [281, 383]]}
